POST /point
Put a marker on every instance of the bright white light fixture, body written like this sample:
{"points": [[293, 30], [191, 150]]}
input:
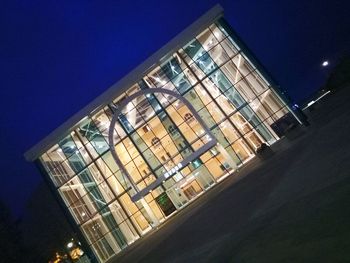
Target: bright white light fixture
{"points": [[70, 245], [325, 63], [311, 103]]}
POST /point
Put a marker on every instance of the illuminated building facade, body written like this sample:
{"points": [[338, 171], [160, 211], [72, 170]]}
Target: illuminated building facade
{"points": [[170, 152]]}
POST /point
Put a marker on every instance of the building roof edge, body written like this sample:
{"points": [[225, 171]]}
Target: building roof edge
{"points": [[124, 83]]}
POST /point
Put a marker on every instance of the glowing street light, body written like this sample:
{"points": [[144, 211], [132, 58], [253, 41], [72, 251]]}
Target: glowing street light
{"points": [[325, 63], [70, 245]]}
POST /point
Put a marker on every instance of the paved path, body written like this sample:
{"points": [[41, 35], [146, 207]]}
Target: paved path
{"points": [[294, 207]]}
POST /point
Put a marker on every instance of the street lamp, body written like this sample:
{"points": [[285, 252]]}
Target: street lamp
{"points": [[325, 63], [70, 245]]}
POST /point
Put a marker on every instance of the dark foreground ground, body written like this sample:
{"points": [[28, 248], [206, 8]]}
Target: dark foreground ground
{"points": [[293, 207]]}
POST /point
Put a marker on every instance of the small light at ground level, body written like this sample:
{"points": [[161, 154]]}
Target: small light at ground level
{"points": [[325, 63], [70, 245]]}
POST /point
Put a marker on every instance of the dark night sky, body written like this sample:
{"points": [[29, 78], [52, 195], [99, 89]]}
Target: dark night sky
{"points": [[56, 57]]}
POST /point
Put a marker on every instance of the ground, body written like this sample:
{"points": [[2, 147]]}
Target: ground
{"points": [[293, 207]]}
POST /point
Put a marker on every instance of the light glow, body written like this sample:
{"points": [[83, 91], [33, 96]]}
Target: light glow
{"points": [[311, 103], [314, 101]]}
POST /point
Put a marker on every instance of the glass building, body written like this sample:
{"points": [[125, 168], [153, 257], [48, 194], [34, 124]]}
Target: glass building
{"points": [[169, 149]]}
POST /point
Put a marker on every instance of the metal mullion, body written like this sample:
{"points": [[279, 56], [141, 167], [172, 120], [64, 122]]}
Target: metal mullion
{"points": [[229, 57], [212, 70], [69, 215], [239, 51], [273, 92], [203, 86], [142, 152], [188, 65], [194, 90], [179, 131], [260, 68], [49, 171], [124, 190], [132, 161], [236, 68], [273, 112], [140, 116], [232, 85], [78, 200], [172, 78], [68, 156], [120, 137], [99, 169], [162, 85], [110, 188], [69, 161], [245, 79], [218, 42], [189, 145], [138, 150], [257, 96], [260, 121], [171, 120], [150, 78], [246, 104], [205, 105]]}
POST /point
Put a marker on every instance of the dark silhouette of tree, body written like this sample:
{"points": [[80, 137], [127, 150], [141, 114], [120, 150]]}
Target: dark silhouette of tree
{"points": [[340, 75], [44, 227], [10, 245]]}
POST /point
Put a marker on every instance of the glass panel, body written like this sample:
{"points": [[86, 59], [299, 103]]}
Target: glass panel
{"points": [[92, 134], [200, 57], [158, 77], [219, 55], [229, 47], [171, 68], [207, 39], [245, 90], [231, 72], [59, 172], [271, 102], [242, 150], [181, 83], [256, 83], [217, 32], [229, 131], [243, 64]]}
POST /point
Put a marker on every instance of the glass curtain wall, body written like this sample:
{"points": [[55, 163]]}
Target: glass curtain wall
{"points": [[156, 132]]}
